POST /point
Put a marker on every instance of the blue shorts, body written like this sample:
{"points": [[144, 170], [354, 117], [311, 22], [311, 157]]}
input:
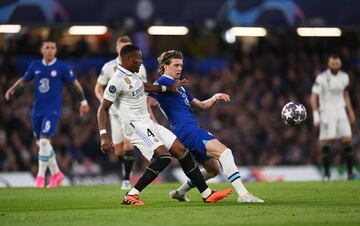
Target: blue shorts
{"points": [[45, 125], [195, 138]]}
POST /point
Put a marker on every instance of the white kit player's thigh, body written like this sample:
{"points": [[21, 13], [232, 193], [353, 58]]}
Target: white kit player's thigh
{"points": [[145, 137], [166, 136], [344, 128], [117, 132], [327, 125]]}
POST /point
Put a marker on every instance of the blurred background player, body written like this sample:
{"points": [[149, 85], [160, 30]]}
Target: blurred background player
{"points": [[49, 75], [333, 112], [207, 150], [127, 92], [123, 148]]}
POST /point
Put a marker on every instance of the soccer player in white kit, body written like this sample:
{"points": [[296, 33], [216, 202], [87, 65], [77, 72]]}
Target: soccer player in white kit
{"points": [[127, 92], [123, 148], [333, 112]]}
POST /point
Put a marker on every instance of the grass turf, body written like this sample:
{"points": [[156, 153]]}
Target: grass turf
{"points": [[306, 203]]}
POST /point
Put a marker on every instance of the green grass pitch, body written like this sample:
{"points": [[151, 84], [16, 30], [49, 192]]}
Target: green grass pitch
{"points": [[306, 203]]}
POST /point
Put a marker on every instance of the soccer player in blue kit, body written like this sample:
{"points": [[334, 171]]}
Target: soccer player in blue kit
{"points": [[49, 75], [207, 150]]}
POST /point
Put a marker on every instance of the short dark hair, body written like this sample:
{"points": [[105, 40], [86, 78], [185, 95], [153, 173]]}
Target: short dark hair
{"points": [[128, 49]]}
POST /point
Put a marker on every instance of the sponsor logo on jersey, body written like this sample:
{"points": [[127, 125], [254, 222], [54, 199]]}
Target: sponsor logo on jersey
{"points": [[127, 80], [112, 89], [53, 73]]}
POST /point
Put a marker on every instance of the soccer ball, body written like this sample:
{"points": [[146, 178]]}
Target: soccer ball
{"points": [[293, 113]]}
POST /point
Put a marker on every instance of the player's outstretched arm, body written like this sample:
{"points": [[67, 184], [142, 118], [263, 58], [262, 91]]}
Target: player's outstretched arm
{"points": [[10, 92], [84, 106], [158, 89], [106, 143], [209, 103]]}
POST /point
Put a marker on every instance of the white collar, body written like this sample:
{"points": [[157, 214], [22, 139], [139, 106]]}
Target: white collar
{"points": [[168, 76], [122, 69], [118, 60], [49, 64]]}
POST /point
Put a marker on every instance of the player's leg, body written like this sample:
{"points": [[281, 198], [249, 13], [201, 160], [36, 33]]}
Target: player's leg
{"points": [[128, 159], [346, 139], [162, 159], [327, 134], [215, 149], [212, 169], [117, 137], [150, 146], [48, 130], [326, 157], [189, 166], [43, 155]]}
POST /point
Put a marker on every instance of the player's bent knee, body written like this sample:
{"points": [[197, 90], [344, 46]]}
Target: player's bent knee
{"points": [[177, 149], [346, 140], [160, 151]]}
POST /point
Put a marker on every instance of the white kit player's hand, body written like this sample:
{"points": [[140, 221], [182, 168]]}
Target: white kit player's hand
{"points": [[221, 96], [106, 143], [316, 118]]}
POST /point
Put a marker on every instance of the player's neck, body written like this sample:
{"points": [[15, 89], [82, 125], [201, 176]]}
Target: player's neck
{"points": [[48, 61]]}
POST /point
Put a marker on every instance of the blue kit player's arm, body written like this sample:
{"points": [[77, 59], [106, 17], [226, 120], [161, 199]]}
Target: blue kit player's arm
{"points": [[69, 77], [209, 103], [28, 76]]}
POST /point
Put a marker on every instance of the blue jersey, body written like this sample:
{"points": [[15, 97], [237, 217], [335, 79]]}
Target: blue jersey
{"points": [[176, 106], [48, 85], [182, 120]]}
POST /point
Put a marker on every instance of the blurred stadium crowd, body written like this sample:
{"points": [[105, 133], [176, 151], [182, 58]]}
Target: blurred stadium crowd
{"points": [[260, 78]]}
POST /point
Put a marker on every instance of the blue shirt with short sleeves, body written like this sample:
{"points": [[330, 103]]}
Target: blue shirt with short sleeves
{"points": [[48, 85]]}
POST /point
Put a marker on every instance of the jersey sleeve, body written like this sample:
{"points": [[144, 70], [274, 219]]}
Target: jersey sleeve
{"points": [[29, 73], [104, 77], [188, 94], [155, 95], [346, 81], [142, 73], [113, 89], [68, 75], [316, 88]]}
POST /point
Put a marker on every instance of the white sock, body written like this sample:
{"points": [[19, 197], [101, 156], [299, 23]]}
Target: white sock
{"points": [[133, 191], [53, 166], [232, 172], [206, 193], [187, 186], [44, 153]]}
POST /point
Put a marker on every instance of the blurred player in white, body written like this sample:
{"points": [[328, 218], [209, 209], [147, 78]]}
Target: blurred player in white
{"points": [[123, 148], [127, 92], [333, 113]]}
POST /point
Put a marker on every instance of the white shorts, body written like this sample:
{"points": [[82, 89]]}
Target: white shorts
{"points": [[334, 124], [148, 135], [117, 131]]}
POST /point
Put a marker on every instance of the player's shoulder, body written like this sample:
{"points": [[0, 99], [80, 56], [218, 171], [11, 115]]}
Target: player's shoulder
{"points": [[111, 63], [164, 80]]}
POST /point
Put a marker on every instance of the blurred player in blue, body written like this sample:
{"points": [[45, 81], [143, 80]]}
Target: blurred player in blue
{"points": [[207, 150], [48, 74]]}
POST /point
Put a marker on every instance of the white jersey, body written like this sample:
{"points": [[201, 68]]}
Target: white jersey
{"points": [[108, 71], [126, 90], [330, 89]]}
